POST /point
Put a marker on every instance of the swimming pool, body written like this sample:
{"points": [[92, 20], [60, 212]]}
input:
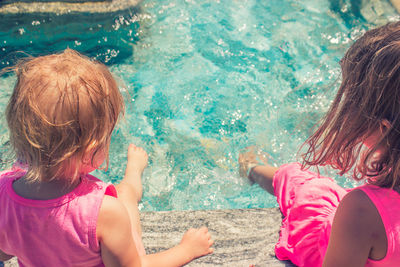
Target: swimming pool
{"points": [[203, 80]]}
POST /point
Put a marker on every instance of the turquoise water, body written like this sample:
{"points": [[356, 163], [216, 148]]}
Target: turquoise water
{"points": [[203, 80]]}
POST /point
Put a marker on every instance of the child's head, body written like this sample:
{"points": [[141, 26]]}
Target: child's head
{"points": [[367, 102], [61, 114]]}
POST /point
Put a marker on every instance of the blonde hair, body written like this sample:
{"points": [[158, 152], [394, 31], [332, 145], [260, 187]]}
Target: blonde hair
{"points": [[62, 106]]}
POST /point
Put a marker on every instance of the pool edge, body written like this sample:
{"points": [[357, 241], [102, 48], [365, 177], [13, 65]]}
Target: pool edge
{"points": [[241, 236]]}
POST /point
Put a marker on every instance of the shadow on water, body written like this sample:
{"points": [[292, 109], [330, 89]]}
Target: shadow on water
{"points": [[349, 10], [107, 37], [356, 12]]}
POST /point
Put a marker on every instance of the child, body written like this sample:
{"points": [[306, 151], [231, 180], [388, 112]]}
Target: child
{"points": [[324, 224], [53, 212]]}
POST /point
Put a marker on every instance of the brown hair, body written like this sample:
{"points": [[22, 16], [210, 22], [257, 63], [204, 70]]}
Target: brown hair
{"points": [[369, 93], [62, 106]]}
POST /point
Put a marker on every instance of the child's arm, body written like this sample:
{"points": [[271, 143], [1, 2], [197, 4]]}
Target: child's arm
{"points": [[195, 243], [115, 235], [4, 256], [114, 232], [357, 229]]}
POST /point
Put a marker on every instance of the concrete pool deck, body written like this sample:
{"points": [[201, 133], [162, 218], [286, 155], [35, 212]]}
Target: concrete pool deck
{"points": [[241, 237]]}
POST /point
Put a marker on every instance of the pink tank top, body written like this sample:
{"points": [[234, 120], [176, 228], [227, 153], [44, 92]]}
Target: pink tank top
{"points": [[56, 232], [387, 202]]}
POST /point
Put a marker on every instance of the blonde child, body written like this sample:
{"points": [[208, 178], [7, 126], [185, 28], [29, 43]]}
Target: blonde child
{"points": [[52, 211], [324, 224]]}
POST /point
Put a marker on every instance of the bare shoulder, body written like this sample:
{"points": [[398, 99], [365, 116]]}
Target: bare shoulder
{"points": [[357, 199], [115, 235], [356, 233], [110, 204], [359, 215], [360, 220], [112, 214], [374, 222], [358, 207]]}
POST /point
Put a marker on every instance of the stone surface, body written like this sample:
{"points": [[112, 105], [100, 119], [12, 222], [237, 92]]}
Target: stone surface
{"points": [[241, 237], [67, 7]]}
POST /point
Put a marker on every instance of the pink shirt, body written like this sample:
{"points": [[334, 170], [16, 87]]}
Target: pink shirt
{"points": [[56, 232], [309, 201], [387, 202]]}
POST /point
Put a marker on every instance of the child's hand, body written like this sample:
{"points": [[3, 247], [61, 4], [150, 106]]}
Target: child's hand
{"points": [[197, 242]]}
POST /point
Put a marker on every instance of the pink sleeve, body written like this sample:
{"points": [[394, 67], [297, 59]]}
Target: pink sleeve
{"points": [[111, 191]]}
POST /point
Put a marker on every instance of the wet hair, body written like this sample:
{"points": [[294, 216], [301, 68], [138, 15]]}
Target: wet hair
{"points": [[63, 108], [369, 94]]}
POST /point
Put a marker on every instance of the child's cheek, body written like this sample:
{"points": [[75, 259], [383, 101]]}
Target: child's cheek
{"points": [[99, 159]]}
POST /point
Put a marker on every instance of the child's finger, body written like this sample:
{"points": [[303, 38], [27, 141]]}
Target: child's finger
{"points": [[203, 229], [208, 235]]}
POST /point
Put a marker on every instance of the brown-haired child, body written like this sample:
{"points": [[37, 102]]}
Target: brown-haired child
{"points": [[325, 224]]}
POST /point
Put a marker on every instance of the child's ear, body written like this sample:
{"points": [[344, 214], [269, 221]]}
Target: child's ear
{"points": [[385, 125], [87, 155]]}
